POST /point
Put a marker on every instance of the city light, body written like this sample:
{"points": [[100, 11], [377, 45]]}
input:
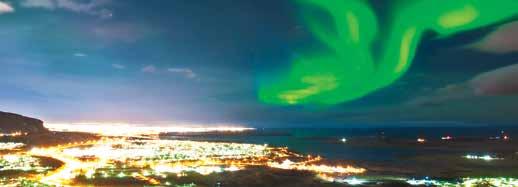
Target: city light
{"points": [[11, 145], [152, 161], [288, 164], [352, 181], [421, 182], [13, 134], [446, 138], [20, 162], [485, 157], [125, 129], [467, 182]]}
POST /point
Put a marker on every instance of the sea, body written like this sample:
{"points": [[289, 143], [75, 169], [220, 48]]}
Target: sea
{"points": [[331, 143]]}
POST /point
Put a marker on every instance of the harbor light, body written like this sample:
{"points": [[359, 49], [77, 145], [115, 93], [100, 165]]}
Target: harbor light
{"points": [[485, 157], [446, 138]]}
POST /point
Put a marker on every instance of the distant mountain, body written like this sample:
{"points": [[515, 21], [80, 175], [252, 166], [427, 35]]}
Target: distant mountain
{"points": [[10, 123]]}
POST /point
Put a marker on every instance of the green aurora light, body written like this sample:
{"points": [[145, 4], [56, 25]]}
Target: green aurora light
{"points": [[348, 70]]}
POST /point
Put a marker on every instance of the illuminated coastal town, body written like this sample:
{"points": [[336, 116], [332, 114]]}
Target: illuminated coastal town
{"points": [[143, 159], [150, 161]]}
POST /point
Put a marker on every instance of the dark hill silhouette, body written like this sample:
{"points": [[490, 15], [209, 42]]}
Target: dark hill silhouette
{"points": [[37, 134], [10, 123]]}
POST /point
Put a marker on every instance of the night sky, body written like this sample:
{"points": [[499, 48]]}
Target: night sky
{"points": [[201, 61]]}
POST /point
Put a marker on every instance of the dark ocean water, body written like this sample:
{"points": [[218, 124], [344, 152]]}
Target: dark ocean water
{"points": [[326, 141]]}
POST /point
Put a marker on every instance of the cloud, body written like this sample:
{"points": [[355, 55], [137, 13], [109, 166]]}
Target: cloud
{"points": [[120, 32], [443, 95], [47, 4], [91, 7], [502, 81], [184, 71], [487, 110], [488, 97], [5, 8], [499, 82], [118, 66], [149, 69], [80, 55], [503, 40]]}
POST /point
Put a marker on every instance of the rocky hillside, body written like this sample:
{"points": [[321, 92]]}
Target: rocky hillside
{"points": [[10, 122]]}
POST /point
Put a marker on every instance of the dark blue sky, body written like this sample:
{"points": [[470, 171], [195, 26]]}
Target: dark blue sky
{"points": [[201, 61]]}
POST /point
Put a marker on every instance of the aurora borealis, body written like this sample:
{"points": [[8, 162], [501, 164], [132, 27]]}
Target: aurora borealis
{"points": [[265, 63], [348, 70]]}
